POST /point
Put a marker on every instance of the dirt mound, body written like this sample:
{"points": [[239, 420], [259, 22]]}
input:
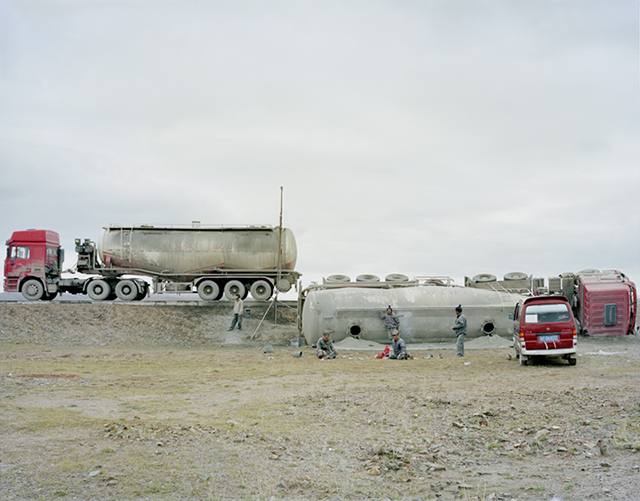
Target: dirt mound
{"points": [[140, 324]]}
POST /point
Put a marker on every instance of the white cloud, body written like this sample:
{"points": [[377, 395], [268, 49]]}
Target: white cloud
{"points": [[415, 137]]}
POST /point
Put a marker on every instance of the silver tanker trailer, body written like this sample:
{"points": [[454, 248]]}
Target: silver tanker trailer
{"points": [[212, 261], [425, 307]]}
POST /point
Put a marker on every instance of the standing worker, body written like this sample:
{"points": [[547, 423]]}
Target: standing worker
{"points": [[460, 328], [238, 311], [391, 321]]}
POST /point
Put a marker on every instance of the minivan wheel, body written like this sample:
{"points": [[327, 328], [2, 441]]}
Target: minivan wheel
{"points": [[573, 361]]}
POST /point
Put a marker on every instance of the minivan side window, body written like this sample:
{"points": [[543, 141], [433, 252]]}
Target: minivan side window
{"points": [[19, 252], [546, 313]]}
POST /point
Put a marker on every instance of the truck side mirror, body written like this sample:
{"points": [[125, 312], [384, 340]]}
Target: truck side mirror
{"points": [[510, 316]]}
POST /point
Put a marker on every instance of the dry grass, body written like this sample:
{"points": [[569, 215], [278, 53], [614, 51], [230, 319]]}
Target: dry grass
{"points": [[235, 424]]}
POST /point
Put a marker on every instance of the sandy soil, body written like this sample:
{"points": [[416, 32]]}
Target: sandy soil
{"points": [[116, 401]]}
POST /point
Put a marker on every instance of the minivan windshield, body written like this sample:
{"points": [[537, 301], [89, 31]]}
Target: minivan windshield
{"points": [[546, 313]]}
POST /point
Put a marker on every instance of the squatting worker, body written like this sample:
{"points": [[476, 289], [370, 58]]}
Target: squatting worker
{"points": [[460, 328], [238, 312], [391, 321], [399, 348], [325, 347]]}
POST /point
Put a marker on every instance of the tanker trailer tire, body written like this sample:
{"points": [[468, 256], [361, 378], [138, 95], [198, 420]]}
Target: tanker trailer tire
{"points": [[589, 271], [396, 277], [261, 290], [33, 290], [484, 277], [234, 287], [283, 285], [367, 278], [338, 279], [126, 290], [99, 290], [516, 275], [208, 290], [142, 293]]}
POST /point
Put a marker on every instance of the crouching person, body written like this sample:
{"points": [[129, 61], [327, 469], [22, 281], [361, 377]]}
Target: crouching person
{"points": [[325, 347], [399, 348]]}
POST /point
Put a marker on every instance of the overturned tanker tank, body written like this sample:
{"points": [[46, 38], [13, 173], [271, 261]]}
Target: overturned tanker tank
{"points": [[425, 310]]}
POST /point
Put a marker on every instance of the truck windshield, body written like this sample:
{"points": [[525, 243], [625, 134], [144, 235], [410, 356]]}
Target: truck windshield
{"points": [[546, 313]]}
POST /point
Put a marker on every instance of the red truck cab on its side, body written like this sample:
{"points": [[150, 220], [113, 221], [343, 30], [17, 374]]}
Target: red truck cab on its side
{"points": [[33, 263], [607, 303], [545, 326]]}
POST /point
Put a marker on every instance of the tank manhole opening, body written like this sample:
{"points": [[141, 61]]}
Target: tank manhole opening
{"points": [[488, 328], [355, 330]]}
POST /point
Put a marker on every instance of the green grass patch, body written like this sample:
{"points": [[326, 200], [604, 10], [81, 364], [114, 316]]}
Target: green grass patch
{"points": [[38, 419]]}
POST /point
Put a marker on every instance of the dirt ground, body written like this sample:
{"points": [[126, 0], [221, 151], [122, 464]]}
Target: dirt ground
{"points": [[120, 402]]}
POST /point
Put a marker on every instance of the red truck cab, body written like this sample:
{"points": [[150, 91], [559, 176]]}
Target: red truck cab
{"points": [[33, 264], [607, 302], [545, 326]]}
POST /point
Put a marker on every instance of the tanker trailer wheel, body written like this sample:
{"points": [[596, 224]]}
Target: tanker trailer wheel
{"points": [[396, 277], [367, 278], [283, 285], [338, 279], [484, 277], [261, 290], [99, 290], [516, 275], [142, 293], [234, 287], [208, 290], [126, 290], [33, 289]]}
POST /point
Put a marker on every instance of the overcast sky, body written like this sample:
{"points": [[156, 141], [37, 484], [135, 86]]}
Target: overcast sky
{"points": [[420, 137]]}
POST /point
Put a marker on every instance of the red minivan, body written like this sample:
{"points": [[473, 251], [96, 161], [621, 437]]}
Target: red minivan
{"points": [[544, 326]]}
